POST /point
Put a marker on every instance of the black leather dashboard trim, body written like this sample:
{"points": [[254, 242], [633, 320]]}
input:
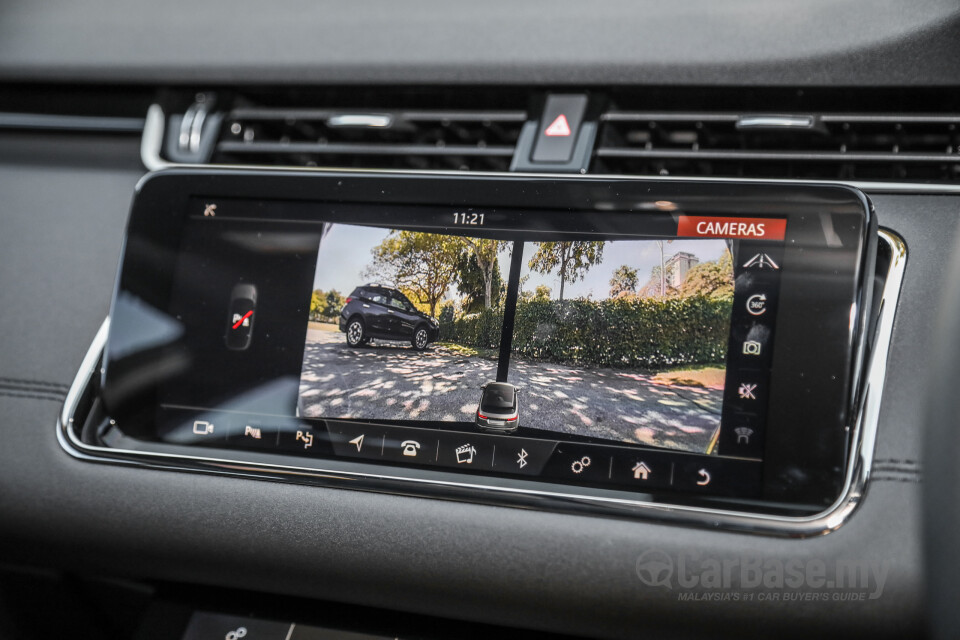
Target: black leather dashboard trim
{"points": [[697, 42], [13, 386]]}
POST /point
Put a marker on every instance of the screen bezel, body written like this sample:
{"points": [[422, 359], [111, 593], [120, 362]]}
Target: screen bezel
{"points": [[805, 459]]}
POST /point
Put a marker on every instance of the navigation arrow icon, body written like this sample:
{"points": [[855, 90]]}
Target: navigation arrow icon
{"points": [[358, 441]]}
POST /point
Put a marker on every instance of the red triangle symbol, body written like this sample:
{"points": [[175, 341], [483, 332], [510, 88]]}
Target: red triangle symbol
{"points": [[559, 127]]}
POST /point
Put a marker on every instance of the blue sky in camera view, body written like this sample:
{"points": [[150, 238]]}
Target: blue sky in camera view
{"points": [[641, 255]]}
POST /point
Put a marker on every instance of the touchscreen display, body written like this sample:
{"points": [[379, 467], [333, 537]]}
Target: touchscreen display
{"points": [[636, 352], [557, 338]]}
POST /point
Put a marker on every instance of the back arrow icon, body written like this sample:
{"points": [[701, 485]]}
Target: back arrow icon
{"points": [[358, 441]]}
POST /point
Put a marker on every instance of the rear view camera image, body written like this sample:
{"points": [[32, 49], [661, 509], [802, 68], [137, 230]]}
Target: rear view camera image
{"points": [[383, 300], [625, 340], [621, 340]]}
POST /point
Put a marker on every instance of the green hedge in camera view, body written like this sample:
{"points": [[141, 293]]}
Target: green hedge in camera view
{"points": [[624, 333], [478, 330]]}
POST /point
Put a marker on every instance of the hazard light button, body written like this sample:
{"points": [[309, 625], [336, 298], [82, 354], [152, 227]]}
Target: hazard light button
{"points": [[559, 126]]}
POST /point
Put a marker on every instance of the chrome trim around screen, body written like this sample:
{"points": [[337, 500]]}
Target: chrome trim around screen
{"points": [[858, 467]]}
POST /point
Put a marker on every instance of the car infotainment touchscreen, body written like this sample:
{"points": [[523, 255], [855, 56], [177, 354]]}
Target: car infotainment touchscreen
{"points": [[687, 340]]}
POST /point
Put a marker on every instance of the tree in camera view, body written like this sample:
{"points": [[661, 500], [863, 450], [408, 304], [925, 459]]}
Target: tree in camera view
{"points": [[624, 282], [421, 264], [325, 305], [481, 286], [571, 259], [712, 279], [484, 252]]}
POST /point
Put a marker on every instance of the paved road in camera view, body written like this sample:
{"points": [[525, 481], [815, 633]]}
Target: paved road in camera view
{"points": [[392, 381]]}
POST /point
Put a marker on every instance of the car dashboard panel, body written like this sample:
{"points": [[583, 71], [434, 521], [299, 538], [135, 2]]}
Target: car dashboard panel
{"points": [[233, 400]]}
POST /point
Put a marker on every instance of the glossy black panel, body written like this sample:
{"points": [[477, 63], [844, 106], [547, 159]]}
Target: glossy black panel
{"points": [[795, 343]]}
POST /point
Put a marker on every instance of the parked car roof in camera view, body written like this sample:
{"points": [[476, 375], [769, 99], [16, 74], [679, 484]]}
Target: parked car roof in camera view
{"points": [[374, 311], [499, 408]]}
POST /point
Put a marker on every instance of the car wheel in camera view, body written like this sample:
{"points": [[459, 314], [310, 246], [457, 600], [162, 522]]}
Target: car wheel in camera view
{"points": [[421, 338], [355, 333]]}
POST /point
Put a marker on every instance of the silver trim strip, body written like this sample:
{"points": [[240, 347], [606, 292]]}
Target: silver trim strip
{"points": [[363, 148], [858, 471], [707, 116], [152, 140], [152, 143], [196, 128], [360, 120], [266, 114], [776, 122], [183, 140], [802, 156]]}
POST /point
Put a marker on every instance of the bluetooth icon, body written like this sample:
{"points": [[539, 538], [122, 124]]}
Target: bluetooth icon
{"points": [[522, 458]]}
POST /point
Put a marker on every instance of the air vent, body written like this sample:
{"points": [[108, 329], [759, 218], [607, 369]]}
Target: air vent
{"points": [[347, 127], [829, 146], [737, 132], [457, 140], [387, 136]]}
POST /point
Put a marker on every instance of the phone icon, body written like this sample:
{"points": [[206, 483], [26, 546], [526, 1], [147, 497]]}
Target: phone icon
{"points": [[410, 447]]}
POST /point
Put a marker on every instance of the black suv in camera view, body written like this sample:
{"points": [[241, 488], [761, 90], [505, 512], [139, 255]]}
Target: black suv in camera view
{"points": [[375, 311]]}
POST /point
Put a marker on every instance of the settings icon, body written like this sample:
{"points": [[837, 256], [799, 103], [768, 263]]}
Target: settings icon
{"points": [[579, 465]]}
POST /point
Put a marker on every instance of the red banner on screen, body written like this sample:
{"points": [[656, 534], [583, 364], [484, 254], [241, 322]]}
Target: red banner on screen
{"points": [[726, 227]]}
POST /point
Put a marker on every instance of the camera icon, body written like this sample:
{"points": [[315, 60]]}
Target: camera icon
{"points": [[751, 348]]}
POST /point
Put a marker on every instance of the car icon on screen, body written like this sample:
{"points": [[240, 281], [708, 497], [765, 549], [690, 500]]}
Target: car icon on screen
{"points": [[499, 408]]}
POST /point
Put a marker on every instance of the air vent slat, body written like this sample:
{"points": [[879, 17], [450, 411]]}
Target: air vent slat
{"points": [[280, 115], [776, 156], [640, 116], [465, 116], [362, 149], [892, 118]]}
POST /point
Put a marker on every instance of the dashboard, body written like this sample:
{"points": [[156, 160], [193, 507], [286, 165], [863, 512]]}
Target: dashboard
{"points": [[429, 321]]}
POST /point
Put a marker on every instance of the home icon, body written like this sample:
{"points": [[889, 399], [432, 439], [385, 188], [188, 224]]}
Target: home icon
{"points": [[641, 471]]}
